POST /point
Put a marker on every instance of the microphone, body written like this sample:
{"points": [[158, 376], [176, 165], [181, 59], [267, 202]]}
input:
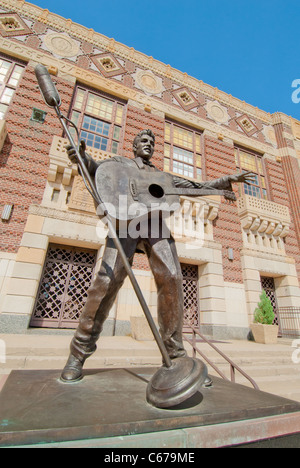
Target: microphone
{"points": [[47, 86]]}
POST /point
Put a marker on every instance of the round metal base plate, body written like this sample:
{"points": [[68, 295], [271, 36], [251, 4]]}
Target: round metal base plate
{"points": [[170, 386]]}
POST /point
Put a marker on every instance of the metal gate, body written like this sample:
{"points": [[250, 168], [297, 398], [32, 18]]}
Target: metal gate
{"points": [[290, 321], [268, 286], [191, 294], [66, 278]]}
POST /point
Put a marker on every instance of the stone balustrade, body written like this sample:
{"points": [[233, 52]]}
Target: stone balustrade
{"points": [[193, 221], [264, 223]]}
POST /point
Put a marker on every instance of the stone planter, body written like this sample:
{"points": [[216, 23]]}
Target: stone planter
{"points": [[266, 334]]}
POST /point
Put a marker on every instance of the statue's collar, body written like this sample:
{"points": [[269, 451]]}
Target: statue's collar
{"points": [[142, 162]]}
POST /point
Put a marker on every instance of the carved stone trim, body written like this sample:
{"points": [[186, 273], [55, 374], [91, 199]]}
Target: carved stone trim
{"points": [[148, 82], [193, 222], [12, 25], [217, 112], [108, 65], [246, 125], [80, 197], [46, 212], [264, 223], [185, 98], [270, 136], [263, 208], [61, 44]]}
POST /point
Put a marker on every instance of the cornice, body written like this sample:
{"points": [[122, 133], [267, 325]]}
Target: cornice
{"points": [[98, 40]]}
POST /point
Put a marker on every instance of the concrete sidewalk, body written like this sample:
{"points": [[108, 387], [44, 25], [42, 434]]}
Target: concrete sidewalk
{"points": [[271, 366]]}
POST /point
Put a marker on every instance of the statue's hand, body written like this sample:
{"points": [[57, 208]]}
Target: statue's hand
{"points": [[71, 152], [244, 177]]}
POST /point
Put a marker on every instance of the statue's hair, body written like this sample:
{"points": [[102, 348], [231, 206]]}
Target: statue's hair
{"points": [[140, 134]]}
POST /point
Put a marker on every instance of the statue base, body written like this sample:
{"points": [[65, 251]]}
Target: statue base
{"points": [[108, 408]]}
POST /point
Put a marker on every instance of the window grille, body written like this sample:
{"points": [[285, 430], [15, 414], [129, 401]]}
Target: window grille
{"points": [[268, 286], [190, 294], [67, 276]]}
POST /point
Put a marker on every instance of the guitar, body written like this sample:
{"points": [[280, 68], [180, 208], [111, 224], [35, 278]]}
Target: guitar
{"points": [[128, 192]]}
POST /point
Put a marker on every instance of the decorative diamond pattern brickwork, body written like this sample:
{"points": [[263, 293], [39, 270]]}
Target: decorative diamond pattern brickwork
{"points": [[108, 65], [246, 125], [12, 25], [190, 292], [67, 276], [185, 98]]}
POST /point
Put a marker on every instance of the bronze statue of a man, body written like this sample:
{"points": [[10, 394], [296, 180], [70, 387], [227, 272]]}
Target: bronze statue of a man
{"points": [[163, 261]]}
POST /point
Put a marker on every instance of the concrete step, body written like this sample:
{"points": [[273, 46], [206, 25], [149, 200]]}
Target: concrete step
{"points": [[25, 351], [261, 371], [36, 352], [53, 343], [60, 346], [270, 366], [58, 362], [112, 359], [286, 387]]}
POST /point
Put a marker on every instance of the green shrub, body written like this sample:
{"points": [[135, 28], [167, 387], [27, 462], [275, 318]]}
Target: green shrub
{"points": [[264, 312]]}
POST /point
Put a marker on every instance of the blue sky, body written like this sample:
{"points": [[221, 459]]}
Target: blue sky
{"points": [[249, 49]]}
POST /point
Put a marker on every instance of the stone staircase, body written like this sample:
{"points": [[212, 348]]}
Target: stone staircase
{"points": [[51, 352], [271, 366]]}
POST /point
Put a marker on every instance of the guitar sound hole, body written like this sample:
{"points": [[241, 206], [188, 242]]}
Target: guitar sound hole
{"points": [[156, 191]]}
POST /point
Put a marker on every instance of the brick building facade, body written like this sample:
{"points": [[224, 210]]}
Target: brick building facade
{"points": [[51, 240]]}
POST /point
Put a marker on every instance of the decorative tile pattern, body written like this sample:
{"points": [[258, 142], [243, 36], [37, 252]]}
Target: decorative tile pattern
{"points": [[217, 112], [61, 45], [185, 98], [148, 82], [12, 25], [108, 65], [246, 125]]}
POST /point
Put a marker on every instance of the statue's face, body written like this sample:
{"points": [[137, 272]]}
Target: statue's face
{"points": [[144, 148]]}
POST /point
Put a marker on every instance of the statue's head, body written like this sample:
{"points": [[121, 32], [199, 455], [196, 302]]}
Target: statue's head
{"points": [[143, 144]]}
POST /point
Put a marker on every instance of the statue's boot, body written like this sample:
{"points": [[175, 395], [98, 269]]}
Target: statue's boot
{"points": [[73, 370]]}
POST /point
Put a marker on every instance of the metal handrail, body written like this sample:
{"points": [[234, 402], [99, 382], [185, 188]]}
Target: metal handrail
{"points": [[233, 367]]}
